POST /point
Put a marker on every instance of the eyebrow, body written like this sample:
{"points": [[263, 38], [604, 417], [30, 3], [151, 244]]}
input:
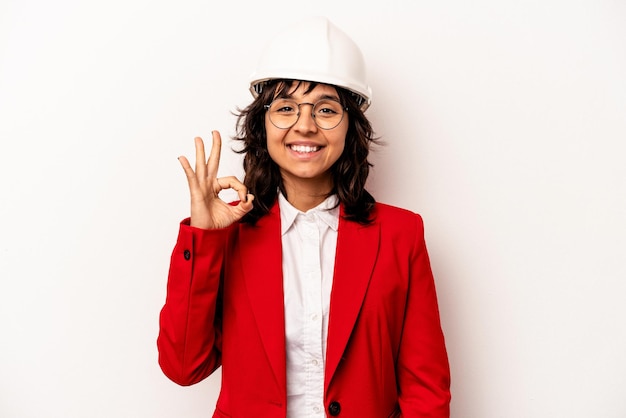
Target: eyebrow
{"points": [[321, 97]]}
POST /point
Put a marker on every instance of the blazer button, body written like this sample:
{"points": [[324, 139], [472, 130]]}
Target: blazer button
{"points": [[334, 408], [187, 254]]}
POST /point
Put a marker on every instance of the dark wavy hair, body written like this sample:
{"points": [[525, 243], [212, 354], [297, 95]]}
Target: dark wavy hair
{"points": [[262, 174]]}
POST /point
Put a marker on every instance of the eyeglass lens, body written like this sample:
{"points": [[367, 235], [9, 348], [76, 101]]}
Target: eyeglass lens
{"points": [[326, 113]]}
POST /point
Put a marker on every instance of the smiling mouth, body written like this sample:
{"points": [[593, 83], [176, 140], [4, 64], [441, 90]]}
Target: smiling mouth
{"points": [[305, 148]]}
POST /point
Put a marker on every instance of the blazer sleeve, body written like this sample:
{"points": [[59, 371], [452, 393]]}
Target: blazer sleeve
{"points": [[189, 340], [423, 371]]}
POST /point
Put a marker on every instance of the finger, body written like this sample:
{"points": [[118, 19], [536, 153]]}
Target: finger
{"points": [[214, 157], [200, 158], [232, 182], [243, 194], [191, 176], [245, 206]]}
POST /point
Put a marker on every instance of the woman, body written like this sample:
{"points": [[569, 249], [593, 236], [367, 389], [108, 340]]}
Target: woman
{"points": [[314, 299]]}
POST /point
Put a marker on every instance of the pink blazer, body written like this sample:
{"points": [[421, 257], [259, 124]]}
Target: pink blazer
{"points": [[386, 355]]}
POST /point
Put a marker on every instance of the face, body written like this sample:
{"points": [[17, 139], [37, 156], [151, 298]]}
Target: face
{"points": [[305, 152]]}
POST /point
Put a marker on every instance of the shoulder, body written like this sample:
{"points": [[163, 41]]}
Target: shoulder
{"points": [[399, 227], [388, 214]]}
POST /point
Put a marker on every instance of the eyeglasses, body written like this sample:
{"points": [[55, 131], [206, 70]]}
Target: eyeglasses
{"points": [[326, 113]]}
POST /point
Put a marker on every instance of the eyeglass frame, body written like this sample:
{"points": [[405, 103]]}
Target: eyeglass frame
{"points": [[343, 107]]}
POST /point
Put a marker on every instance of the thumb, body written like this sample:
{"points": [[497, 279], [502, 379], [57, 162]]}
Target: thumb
{"points": [[246, 206]]}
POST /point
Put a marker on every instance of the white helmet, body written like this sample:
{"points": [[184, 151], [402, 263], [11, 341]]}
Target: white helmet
{"points": [[314, 50]]}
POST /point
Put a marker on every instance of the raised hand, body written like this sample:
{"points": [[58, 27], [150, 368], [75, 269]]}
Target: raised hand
{"points": [[208, 211]]}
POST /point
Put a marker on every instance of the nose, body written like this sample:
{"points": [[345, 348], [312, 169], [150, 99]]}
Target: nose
{"points": [[306, 121]]}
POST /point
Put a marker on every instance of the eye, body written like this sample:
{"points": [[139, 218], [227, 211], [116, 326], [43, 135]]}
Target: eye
{"points": [[284, 106], [328, 108]]}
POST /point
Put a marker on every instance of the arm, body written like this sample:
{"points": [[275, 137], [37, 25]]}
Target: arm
{"points": [[422, 369], [189, 340]]}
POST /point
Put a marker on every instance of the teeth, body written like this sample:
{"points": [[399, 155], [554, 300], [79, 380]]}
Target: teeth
{"points": [[304, 148]]}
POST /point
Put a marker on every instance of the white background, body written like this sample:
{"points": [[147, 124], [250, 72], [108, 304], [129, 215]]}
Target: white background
{"points": [[505, 127]]}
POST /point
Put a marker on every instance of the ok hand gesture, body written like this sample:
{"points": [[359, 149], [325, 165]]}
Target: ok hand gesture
{"points": [[208, 211]]}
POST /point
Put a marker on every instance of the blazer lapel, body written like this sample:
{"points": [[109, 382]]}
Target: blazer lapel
{"points": [[261, 251], [357, 249]]}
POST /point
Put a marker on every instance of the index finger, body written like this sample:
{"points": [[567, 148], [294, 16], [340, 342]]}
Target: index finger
{"points": [[214, 158]]}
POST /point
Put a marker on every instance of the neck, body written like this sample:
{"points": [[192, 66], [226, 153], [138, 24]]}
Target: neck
{"points": [[305, 195]]}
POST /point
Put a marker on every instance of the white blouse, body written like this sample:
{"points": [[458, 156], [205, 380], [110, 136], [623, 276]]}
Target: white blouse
{"points": [[309, 242]]}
